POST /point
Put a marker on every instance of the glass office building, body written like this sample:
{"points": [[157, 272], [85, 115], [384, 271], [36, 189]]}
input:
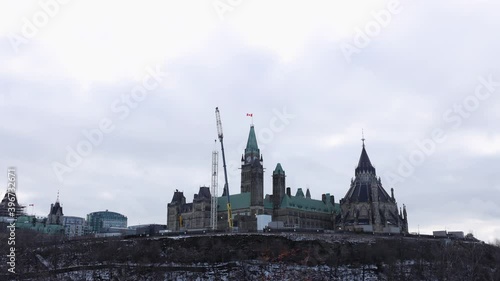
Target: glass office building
{"points": [[102, 221]]}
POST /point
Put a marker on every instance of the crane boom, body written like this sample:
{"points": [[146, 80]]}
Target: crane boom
{"points": [[226, 185]]}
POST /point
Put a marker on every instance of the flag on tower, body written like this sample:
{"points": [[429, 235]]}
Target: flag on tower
{"points": [[31, 204], [251, 115]]}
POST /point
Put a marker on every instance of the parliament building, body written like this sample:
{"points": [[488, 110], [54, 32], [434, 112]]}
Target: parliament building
{"points": [[366, 207]]}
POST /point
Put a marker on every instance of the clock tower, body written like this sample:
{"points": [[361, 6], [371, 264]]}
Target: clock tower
{"points": [[252, 171]]}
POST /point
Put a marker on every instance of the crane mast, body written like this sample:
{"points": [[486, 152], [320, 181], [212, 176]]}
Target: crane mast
{"points": [[215, 180], [226, 185]]}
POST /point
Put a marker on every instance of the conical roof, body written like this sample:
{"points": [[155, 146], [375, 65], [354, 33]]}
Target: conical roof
{"points": [[279, 170], [362, 187], [252, 142], [364, 164]]}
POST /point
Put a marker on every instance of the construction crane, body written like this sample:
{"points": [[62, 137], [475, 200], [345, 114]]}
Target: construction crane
{"points": [[180, 221], [226, 185], [215, 180]]}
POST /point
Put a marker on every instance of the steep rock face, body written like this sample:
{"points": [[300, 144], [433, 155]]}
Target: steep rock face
{"points": [[246, 257]]}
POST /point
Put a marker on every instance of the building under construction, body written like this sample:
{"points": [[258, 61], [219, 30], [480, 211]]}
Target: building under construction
{"points": [[299, 210], [366, 207], [9, 206]]}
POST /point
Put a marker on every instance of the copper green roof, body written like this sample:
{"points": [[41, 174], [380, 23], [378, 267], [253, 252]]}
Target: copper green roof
{"points": [[279, 170], [307, 204], [252, 142], [242, 201], [268, 204], [238, 201], [299, 193], [26, 222]]}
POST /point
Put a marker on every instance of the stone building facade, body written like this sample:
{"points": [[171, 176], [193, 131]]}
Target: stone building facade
{"points": [[367, 207], [300, 211], [252, 173], [195, 215], [295, 211], [56, 213]]}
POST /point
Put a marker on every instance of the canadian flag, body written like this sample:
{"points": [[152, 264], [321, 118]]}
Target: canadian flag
{"points": [[250, 114]]}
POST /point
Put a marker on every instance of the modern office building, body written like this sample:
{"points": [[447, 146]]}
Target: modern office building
{"points": [[74, 226], [102, 221]]}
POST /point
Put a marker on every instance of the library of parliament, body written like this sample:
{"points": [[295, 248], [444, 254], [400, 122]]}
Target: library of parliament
{"points": [[366, 207]]}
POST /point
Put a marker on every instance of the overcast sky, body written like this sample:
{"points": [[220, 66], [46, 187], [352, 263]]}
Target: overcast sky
{"points": [[113, 103]]}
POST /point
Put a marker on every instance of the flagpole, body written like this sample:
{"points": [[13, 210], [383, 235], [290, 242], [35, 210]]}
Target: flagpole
{"points": [[251, 115]]}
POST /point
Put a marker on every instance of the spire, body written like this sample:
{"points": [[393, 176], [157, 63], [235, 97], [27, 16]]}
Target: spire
{"points": [[252, 152], [252, 142], [279, 170], [363, 137], [364, 164], [308, 194], [55, 209]]}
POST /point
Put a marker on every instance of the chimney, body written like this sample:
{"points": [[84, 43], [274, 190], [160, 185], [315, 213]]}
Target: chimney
{"points": [[323, 198], [332, 200], [289, 191]]}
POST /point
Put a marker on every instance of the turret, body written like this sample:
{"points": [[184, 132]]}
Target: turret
{"points": [[56, 212], [279, 184]]}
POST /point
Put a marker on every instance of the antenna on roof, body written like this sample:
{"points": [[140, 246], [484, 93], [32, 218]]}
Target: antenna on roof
{"points": [[363, 137]]}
